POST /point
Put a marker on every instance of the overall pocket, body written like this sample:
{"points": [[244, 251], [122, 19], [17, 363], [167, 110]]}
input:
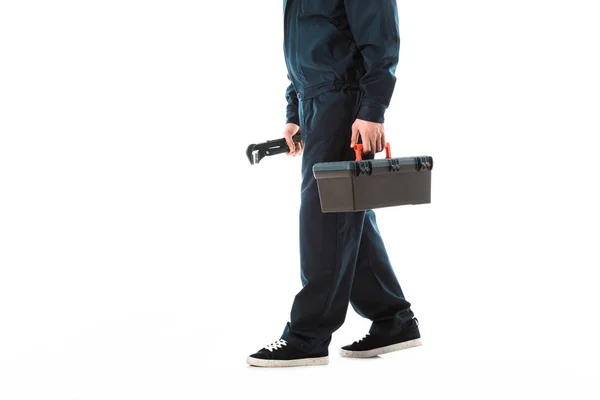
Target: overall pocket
{"points": [[305, 108]]}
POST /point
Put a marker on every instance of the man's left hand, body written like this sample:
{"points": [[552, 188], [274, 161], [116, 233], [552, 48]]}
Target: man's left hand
{"points": [[372, 134]]}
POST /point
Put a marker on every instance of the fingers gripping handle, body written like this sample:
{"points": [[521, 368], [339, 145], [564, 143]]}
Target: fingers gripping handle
{"points": [[257, 152], [358, 150]]}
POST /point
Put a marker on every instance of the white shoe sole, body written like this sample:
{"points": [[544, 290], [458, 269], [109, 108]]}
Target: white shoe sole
{"points": [[380, 350], [302, 362]]}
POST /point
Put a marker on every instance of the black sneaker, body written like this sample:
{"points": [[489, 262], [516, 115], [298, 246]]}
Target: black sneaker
{"points": [[280, 354], [374, 345]]}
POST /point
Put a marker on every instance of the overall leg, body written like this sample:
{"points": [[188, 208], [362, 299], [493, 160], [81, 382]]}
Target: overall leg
{"points": [[329, 242], [376, 293]]}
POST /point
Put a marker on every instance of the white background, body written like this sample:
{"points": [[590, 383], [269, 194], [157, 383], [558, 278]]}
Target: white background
{"points": [[142, 257]]}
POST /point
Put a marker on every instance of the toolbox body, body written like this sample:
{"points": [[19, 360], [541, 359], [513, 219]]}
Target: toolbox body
{"points": [[347, 186]]}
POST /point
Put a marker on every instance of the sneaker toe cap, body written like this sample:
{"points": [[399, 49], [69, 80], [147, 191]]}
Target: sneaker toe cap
{"points": [[262, 355]]}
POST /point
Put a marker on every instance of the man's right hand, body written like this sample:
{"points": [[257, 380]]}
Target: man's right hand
{"points": [[289, 132]]}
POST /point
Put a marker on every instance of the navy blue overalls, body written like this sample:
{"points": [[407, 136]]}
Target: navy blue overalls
{"points": [[341, 58]]}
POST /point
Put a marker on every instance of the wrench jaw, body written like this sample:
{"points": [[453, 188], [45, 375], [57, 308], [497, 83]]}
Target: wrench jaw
{"points": [[258, 155], [254, 155], [257, 152]]}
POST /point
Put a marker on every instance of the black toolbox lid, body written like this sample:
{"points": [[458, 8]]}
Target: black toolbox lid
{"points": [[342, 169]]}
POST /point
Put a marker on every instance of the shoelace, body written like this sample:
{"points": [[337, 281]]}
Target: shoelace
{"points": [[363, 338], [276, 345]]}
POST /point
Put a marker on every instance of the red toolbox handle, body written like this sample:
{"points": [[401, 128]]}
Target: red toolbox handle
{"points": [[358, 149]]}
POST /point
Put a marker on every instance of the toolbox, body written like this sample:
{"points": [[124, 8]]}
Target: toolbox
{"points": [[359, 185]]}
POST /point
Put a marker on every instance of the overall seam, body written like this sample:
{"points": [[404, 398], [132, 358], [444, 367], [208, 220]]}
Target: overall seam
{"points": [[335, 276]]}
